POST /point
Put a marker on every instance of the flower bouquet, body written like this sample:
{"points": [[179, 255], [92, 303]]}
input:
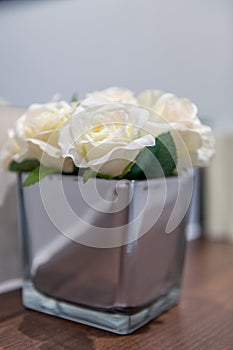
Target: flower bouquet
{"points": [[104, 187]]}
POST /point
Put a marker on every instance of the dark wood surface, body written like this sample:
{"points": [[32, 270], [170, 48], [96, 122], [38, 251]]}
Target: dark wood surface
{"points": [[202, 320]]}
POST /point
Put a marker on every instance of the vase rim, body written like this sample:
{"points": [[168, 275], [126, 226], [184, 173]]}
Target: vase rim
{"points": [[185, 173]]}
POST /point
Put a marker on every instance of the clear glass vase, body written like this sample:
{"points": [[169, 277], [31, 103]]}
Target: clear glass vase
{"points": [[105, 253]]}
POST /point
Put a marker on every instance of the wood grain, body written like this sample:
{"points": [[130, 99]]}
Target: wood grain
{"points": [[202, 320]]}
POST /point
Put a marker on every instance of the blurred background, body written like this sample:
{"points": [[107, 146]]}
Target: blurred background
{"points": [[67, 46]]}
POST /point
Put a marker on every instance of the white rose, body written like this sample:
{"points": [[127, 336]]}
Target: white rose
{"points": [[114, 94], [37, 132], [170, 107], [8, 151], [106, 138], [179, 116], [90, 102], [106, 96]]}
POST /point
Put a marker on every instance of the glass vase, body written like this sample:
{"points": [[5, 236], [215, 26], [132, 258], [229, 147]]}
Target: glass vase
{"points": [[105, 253]]}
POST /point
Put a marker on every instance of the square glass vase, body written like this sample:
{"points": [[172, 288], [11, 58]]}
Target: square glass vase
{"points": [[105, 253]]}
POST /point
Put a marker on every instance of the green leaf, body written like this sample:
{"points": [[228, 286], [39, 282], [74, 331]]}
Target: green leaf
{"points": [[38, 174], [155, 161], [166, 153], [25, 166], [88, 173], [125, 171], [74, 98], [104, 176]]}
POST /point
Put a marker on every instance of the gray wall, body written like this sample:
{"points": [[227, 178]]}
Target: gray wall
{"points": [[183, 46]]}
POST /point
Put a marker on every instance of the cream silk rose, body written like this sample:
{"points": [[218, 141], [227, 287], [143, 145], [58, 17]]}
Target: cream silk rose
{"points": [[36, 136], [106, 138], [109, 134], [114, 94], [194, 141], [103, 97]]}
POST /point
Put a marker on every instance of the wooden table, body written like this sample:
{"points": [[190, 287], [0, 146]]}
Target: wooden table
{"points": [[202, 320]]}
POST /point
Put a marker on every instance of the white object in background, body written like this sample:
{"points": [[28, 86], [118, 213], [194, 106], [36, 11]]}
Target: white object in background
{"points": [[10, 266], [10, 285], [218, 190], [3, 102], [194, 228], [8, 116]]}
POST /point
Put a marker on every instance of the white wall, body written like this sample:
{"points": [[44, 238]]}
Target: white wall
{"points": [[183, 46]]}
